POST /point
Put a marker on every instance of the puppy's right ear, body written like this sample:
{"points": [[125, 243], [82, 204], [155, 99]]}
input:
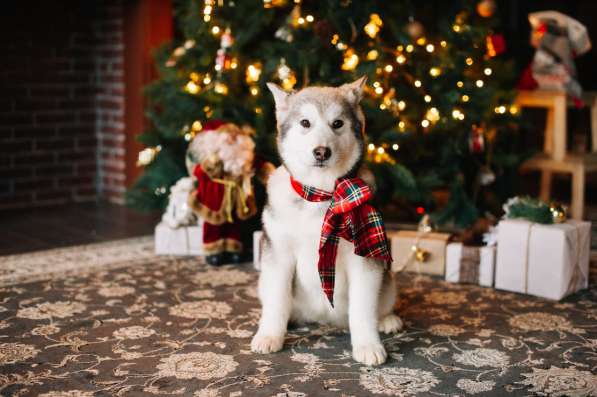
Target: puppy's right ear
{"points": [[280, 97]]}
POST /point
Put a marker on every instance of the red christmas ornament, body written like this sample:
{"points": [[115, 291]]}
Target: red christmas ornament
{"points": [[496, 45], [476, 142]]}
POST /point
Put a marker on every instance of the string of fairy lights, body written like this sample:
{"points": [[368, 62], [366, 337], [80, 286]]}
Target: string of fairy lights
{"points": [[379, 88]]}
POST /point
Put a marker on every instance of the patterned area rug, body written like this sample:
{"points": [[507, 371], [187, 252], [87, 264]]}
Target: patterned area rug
{"points": [[124, 322]]}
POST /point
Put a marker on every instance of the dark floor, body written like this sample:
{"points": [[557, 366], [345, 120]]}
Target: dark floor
{"points": [[43, 228]]}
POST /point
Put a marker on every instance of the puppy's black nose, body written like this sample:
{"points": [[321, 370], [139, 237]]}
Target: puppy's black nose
{"points": [[322, 153]]}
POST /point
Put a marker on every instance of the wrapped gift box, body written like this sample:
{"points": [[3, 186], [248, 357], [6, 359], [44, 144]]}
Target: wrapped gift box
{"points": [[468, 264], [183, 240], [434, 244], [257, 236], [550, 261]]}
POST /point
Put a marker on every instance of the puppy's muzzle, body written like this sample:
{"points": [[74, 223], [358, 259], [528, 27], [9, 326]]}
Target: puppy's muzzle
{"points": [[322, 153]]}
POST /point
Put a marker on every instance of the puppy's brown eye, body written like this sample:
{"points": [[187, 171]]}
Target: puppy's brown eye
{"points": [[305, 123], [337, 124]]}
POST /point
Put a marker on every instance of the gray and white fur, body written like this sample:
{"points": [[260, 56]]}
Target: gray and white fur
{"points": [[320, 139]]}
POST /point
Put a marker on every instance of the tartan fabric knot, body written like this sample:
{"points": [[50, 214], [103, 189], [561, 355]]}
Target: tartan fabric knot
{"points": [[351, 217]]}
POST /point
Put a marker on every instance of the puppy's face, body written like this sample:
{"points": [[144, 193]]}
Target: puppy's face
{"points": [[320, 130]]}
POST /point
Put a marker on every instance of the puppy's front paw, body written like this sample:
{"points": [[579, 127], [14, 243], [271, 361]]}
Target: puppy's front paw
{"points": [[267, 344], [390, 324], [374, 354]]}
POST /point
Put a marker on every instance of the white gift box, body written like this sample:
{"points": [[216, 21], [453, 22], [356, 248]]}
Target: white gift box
{"points": [[465, 264], [549, 261], [257, 236], [183, 240]]}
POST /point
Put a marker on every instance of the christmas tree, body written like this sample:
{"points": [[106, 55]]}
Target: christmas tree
{"points": [[438, 99]]}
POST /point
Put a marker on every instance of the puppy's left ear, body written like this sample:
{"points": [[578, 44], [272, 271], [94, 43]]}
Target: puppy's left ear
{"points": [[354, 90]]}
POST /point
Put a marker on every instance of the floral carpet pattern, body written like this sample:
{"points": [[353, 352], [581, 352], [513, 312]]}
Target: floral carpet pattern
{"points": [[173, 326]]}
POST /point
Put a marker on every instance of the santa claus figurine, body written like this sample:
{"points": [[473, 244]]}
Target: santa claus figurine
{"points": [[221, 160]]}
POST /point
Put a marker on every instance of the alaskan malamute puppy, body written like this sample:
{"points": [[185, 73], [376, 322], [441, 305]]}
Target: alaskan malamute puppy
{"points": [[320, 139]]}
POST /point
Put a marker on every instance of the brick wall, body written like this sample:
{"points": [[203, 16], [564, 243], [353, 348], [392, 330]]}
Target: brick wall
{"points": [[110, 131], [61, 102]]}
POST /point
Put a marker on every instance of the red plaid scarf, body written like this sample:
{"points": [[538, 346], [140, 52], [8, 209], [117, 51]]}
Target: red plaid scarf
{"points": [[351, 217]]}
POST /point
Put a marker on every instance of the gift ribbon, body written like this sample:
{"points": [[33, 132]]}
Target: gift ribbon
{"points": [[470, 261]]}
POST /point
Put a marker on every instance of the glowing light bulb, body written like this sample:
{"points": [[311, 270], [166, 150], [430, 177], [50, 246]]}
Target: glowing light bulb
{"points": [[443, 43], [254, 91], [469, 61], [379, 90], [427, 98], [425, 123], [479, 83], [389, 68], [401, 125], [395, 146], [373, 26], [196, 126], [421, 41], [309, 18], [371, 147], [430, 48], [401, 59], [417, 83], [460, 84], [456, 28], [432, 115], [514, 109], [221, 88], [253, 73], [301, 20], [192, 87], [380, 150], [487, 71], [435, 71], [410, 48], [351, 60], [401, 105], [465, 98], [215, 30], [372, 55]]}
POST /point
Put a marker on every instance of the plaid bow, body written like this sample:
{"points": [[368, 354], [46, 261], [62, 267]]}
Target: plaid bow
{"points": [[351, 217]]}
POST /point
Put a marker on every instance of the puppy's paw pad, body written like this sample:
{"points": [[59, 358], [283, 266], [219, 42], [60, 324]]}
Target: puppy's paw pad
{"points": [[265, 344], [374, 354], [390, 324]]}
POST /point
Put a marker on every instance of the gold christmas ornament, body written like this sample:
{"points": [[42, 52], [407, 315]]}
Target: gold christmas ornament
{"points": [[420, 254], [415, 29], [559, 212], [486, 8], [147, 155], [286, 75]]}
